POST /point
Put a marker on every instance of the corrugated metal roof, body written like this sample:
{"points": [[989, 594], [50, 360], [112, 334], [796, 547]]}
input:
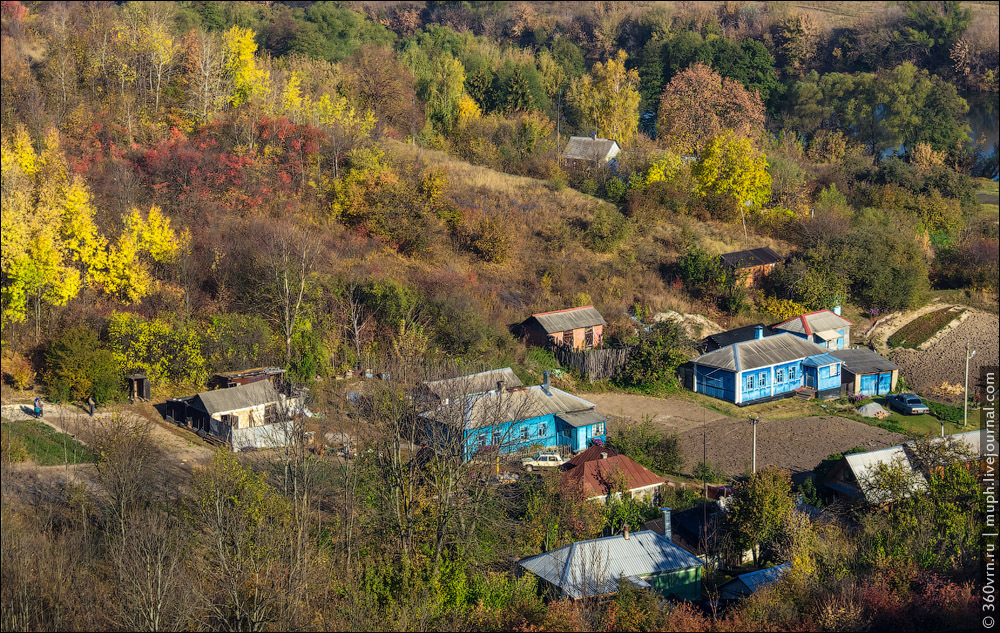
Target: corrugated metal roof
{"points": [[863, 361], [819, 321], [866, 465], [568, 319], [493, 408], [589, 455], [756, 353], [745, 584], [820, 360], [473, 383], [722, 339], [586, 148], [598, 477], [592, 568], [750, 258], [582, 418], [236, 398]]}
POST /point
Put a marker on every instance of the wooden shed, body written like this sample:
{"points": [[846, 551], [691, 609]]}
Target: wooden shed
{"points": [[576, 328], [866, 372], [754, 264]]}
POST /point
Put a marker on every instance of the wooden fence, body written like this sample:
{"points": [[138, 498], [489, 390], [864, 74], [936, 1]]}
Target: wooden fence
{"points": [[594, 364]]}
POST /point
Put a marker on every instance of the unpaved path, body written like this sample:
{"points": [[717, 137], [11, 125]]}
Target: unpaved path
{"points": [[667, 413]]}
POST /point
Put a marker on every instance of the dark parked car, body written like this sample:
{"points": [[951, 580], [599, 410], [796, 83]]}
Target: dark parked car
{"points": [[908, 403]]}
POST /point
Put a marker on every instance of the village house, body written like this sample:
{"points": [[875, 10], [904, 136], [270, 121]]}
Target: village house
{"points": [[713, 342], [751, 265], [597, 567], [255, 415], [443, 391], [823, 327], [852, 478], [866, 373], [577, 328], [515, 419], [590, 150], [764, 369], [600, 472]]}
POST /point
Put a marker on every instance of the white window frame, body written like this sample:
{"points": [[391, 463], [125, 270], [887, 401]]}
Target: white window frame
{"points": [[542, 428], [779, 375], [791, 373], [599, 428], [524, 433], [750, 382], [762, 379]]}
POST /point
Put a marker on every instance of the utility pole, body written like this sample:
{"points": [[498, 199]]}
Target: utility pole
{"points": [[753, 464], [969, 353]]}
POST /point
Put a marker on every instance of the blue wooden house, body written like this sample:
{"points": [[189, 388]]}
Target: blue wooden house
{"points": [[766, 368], [514, 419]]}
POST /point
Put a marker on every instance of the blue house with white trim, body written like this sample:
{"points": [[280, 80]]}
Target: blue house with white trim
{"points": [[766, 368], [514, 419], [826, 328]]}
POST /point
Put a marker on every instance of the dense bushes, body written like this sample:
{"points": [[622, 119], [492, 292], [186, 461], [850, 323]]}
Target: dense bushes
{"points": [[79, 366], [643, 443], [653, 360]]}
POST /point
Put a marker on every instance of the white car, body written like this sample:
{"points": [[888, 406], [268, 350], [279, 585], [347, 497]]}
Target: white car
{"points": [[542, 460]]}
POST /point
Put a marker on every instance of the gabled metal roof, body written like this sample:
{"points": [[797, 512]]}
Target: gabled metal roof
{"points": [[819, 321], [863, 361], [750, 258], [756, 353], [568, 319], [473, 383], [577, 419], [586, 148], [865, 465], [594, 567], [491, 408], [745, 584], [236, 398]]}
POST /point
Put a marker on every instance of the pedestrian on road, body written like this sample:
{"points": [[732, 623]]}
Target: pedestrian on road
{"points": [[38, 407], [91, 403]]}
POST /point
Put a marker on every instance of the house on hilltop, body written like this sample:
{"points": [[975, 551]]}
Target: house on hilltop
{"points": [[823, 327], [584, 150], [600, 472], [597, 567], [753, 264], [577, 328]]}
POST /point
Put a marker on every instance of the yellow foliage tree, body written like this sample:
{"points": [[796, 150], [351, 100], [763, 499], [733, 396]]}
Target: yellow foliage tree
{"points": [[733, 167], [248, 81], [609, 99]]}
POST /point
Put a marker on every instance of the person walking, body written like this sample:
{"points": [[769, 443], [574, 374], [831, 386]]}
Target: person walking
{"points": [[91, 403], [38, 408]]}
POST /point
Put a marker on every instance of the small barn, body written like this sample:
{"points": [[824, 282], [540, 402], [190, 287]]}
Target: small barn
{"points": [[592, 150], [753, 264], [866, 372], [598, 567], [597, 471], [577, 328], [823, 327], [764, 369], [252, 415]]}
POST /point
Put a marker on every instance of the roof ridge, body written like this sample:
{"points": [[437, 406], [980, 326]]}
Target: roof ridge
{"points": [[562, 310]]}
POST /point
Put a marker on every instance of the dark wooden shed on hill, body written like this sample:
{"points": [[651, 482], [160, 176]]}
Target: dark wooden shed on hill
{"points": [[755, 263], [576, 328]]}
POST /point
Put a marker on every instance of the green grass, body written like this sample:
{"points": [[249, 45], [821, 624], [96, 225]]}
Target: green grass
{"points": [[44, 445], [919, 330]]}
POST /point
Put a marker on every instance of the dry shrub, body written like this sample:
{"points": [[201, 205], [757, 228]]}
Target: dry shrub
{"points": [[12, 448], [17, 369]]}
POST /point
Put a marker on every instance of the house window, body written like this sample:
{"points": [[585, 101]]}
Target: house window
{"points": [[588, 337], [834, 370], [779, 376], [524, 433], [599, 429], [568, 337], [840, 343], [541, 430], [750, 382], [497, 437], [791, 373], [762, 379]]}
